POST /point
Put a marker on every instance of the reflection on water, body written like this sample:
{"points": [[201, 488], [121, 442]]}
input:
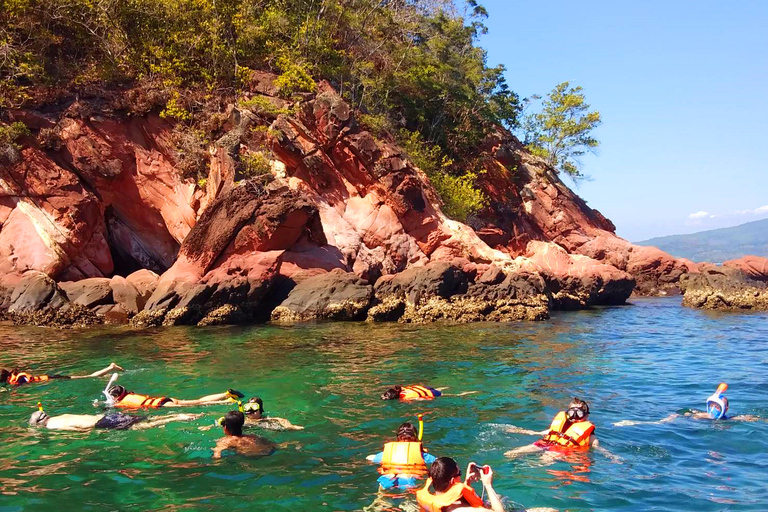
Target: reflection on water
{"points": [[634, 363]]}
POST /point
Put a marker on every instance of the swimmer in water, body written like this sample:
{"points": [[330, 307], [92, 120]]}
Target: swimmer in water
{"points": [[416, 392], [716, 409], [404, 461], [111, 421], [570, 430], [453, 495], [254, 417], [130, 400], [17, 378], [234, 439]]}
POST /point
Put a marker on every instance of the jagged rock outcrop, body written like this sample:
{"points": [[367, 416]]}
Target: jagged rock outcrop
{"points": [[108, 200], [726, 288], [755, 267]]}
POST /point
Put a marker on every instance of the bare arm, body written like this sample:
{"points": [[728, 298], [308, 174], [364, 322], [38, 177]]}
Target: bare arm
{"points": [[523, 450], [163, 420], [221, 445], [512, 429], [108, 369]]}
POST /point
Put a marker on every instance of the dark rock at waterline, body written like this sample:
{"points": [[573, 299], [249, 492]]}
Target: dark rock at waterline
{"points": [[724, 288], [445, 292], [336, 295], [35, 292]]}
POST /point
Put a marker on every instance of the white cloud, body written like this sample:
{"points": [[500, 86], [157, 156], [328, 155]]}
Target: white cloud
{"points": [[762, 209], [698, 215]]}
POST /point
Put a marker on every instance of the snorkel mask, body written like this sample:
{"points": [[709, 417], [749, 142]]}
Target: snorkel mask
{"points": [[253, 406], [717, 404], [38, 417], [577, 411]]}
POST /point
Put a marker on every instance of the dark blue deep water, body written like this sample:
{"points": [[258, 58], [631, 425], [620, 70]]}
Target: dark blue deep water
{"points": [[640, 362]]}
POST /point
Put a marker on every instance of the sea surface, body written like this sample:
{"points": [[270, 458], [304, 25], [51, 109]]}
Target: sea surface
{"points": [[639, 362]]}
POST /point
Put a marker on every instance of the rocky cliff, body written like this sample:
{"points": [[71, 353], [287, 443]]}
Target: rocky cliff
{"points": [[98, 224]]}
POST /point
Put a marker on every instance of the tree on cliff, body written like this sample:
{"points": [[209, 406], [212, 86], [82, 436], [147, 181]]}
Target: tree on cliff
{"points": [[561, 132]]}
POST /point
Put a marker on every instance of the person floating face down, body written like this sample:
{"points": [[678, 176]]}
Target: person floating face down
{"points": [[130, 400], [453, 495], [112, 421], [254, 413], [570, 430], [403, 462], [17, 378], [415, 392], [235, 440]]}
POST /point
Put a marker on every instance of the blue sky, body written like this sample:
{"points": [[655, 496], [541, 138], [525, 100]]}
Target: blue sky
{"points": [[683, 90]]}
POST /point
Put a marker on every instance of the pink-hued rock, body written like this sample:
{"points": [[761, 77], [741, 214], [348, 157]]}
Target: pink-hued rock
{"points": [[755, 267]]}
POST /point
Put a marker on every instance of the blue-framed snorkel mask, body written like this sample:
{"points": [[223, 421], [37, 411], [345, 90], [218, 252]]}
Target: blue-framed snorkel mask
{"points": [[717, 404]]}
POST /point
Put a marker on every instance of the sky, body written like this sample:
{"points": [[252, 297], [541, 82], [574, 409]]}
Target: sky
{"points": [[682, 87]]}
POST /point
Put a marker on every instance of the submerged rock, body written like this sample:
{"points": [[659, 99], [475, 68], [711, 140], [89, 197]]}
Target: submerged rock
{"points": [[724, 288]]}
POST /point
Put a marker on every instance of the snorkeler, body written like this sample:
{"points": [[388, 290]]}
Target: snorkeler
{"points": [[130, 400], [112, 421], [416, 392], [453, 495], [716, 409], [570, 429], [234, 439], [17, 378], [404, 461], [254, 417]]}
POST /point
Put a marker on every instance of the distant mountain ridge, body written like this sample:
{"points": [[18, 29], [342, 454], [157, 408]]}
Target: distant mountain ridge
{"points": [[717, 245]]}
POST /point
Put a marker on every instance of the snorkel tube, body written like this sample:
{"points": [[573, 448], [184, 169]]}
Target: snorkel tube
{"points": [[110, 401], [421, 426], [717, 404]]}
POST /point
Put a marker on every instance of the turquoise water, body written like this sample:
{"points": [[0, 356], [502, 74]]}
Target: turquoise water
{"points": [[638, 362]]}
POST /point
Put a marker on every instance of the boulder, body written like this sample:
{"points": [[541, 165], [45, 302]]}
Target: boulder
{"points": [[36, 292], [575, 281], [756, 267], [95, 291], [125, 295], [145, 282], [724, 288], [336, 295]]}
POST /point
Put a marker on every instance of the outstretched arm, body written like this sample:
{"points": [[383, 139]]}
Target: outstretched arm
{"points": [[523, 450], [512, 429], [163, 420], [629, 423], [112, 367]]}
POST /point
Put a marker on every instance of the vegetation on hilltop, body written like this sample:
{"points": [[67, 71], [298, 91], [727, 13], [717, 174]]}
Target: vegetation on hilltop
{"points": [[409, 66]]}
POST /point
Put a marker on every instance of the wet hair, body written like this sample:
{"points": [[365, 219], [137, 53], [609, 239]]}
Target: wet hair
{"points": [[392, 393], [577, 403], [4, 374], [442, 471], [407, 432], [233, 422], [117, 392], [38, 419], [256, 412]]}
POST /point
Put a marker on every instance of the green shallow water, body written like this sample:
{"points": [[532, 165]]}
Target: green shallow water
{"points": [[636, 362]]}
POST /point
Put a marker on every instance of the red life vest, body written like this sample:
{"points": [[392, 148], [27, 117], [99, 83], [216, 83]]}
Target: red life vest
{"points": [[403, 458], [416, 392], [136, 401], [576, 435], [436, 502], [14, 378]]}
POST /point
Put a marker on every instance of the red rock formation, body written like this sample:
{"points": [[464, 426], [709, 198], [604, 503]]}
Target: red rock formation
{"points": [[340, 199], [755, 267]]}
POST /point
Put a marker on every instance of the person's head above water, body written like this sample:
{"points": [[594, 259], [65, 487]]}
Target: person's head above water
{"points": [[407, 433], [578, 410], [392, 393], [4, 375], [38, 419], [233, 423], [117, 392], [717, 404], [254, 408], [444, 472]]}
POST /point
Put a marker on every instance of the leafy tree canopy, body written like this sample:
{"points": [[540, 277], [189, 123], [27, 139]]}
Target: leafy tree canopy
{"points": [[561, 132]]}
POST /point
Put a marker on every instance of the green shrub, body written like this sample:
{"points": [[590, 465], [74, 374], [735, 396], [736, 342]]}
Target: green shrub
{"points": [[10, 133], [262, 105], [294, 78], [254, 165]]}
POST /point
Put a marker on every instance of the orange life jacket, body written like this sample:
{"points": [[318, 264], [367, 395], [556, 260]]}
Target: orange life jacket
{"points": [[14, 378], [436, 502], [403, 458], [415, 392], [136, 401], [575, 436]]}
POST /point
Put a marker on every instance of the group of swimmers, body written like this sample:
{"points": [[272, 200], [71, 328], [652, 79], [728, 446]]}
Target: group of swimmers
{"points": [[403, 463]]}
